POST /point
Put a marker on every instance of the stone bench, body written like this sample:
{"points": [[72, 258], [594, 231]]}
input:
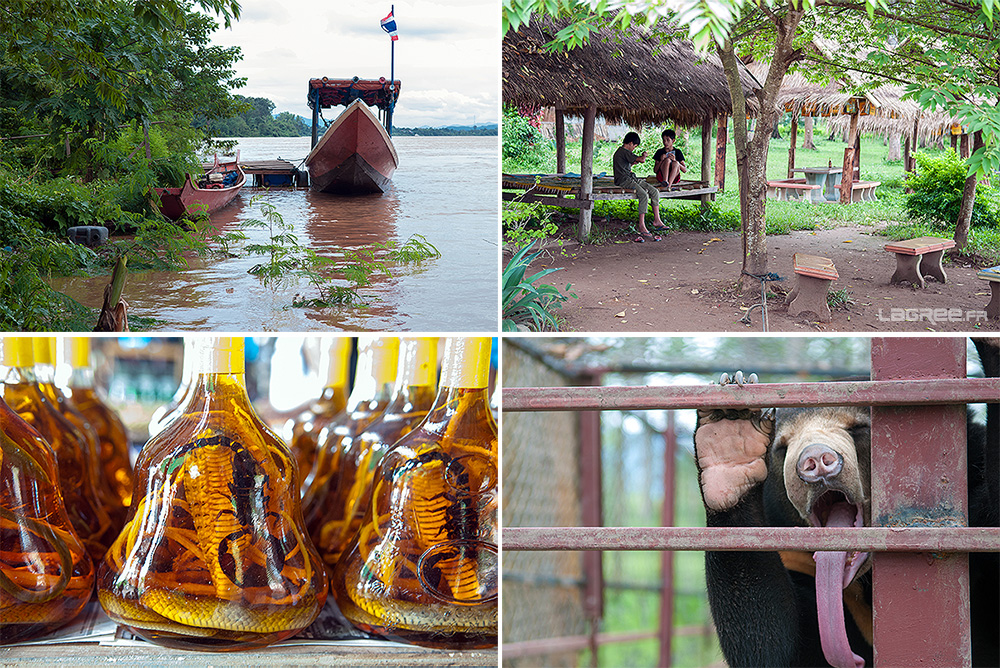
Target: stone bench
{"points": [[813, 276], [993, 276], [864, 191], [919, 257], [792, 189]]}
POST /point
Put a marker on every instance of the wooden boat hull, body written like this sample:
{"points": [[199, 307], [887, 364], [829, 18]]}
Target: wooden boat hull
{"points": [[192, 200], [355, 155]]}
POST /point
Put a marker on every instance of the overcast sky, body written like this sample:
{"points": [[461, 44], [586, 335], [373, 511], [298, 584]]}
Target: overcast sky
{"points": [[447, 55]]}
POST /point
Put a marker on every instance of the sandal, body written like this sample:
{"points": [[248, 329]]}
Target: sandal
{"points": [[642, 238]]}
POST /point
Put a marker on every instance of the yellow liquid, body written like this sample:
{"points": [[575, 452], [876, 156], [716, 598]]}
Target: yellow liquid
{"points": [[214, 555], [310, 423], [46, 576], [113, 439], [423, 567]]}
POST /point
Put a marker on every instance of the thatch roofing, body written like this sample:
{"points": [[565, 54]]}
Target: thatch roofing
{"points": [[629, 75]]}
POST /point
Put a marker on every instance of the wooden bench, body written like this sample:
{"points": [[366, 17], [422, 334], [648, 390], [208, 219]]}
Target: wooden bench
{"points": [[993, 276], [813, 277], [864, 191], [916, 258], [792, 189]]}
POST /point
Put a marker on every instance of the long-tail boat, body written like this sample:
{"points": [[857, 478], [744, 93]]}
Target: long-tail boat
{"points": [[355, 155], [216, 188]]}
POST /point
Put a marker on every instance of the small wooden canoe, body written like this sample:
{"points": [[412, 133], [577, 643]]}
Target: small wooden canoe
{"points": [[355, 155], [215, 189]]}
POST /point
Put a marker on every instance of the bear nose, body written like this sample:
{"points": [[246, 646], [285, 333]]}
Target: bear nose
{"points": [[818, 463]]}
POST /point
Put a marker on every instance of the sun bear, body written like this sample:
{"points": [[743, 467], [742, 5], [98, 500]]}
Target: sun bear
{"points": [[802, 467]]}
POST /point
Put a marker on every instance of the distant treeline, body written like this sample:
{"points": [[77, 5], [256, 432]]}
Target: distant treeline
{"points": [[258, 120], [443, 132]]}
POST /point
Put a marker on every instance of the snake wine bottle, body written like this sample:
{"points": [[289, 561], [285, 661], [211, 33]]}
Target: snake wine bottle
{"points": [[423, 566], [214, 555], [46, 575]]}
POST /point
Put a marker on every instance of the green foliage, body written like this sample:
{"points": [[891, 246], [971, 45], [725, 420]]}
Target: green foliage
{"points": [[525, 303], [255, 118], [937, 193], [415, 249], [519, 137], [523, 223]]}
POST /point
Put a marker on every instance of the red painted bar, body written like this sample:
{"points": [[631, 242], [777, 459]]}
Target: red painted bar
{"points": [[867, 539], [769, 395], [667, 557], [921, 604], [517, 650]]}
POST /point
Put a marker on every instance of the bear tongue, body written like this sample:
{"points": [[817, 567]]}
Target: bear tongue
{"points": [[830, 570]]}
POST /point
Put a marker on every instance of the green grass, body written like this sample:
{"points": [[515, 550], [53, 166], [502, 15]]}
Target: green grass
{"points": [[886, 214]]}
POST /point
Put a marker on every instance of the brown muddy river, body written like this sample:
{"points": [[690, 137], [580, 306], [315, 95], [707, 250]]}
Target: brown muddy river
{"points": [[445, 189]]}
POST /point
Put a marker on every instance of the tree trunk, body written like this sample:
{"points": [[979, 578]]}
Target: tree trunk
{"points": [[807, 139], [968, 201], [751, 156], [895, 146], [775, 134]]}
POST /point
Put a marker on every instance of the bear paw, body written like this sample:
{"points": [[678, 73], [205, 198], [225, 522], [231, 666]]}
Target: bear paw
{"points": [[730, 445]]}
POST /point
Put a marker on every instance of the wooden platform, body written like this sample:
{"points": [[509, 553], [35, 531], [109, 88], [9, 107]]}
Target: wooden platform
{"points": [[564, 190], [274, 173]]}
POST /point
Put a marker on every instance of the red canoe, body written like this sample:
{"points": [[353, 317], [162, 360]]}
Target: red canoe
{"points": [[355, 155], [217, 188]]}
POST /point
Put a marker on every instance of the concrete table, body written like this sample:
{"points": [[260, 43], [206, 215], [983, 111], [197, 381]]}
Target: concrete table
{"points": [[827, 177]]}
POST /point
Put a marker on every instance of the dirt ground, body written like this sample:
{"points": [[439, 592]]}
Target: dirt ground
{"points": [[685, 283]]}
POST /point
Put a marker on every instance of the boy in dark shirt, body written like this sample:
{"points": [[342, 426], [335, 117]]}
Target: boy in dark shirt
{"points": [[622, 162], [669, 161]]}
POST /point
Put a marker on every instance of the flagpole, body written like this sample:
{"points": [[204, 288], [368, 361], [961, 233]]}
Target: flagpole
{"points": [[392, 76]]}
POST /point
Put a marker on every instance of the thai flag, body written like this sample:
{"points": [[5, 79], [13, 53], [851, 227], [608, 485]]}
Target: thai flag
{"points": [[389, 25]]}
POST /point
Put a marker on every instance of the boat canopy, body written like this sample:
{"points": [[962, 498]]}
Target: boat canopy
{"points": [[373, 92]]}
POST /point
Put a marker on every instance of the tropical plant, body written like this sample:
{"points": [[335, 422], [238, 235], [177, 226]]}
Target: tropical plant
{"points": [[525, 303], [937, 192]]}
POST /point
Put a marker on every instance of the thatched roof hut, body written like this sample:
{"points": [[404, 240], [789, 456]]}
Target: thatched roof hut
{"points": [[629, 75]]}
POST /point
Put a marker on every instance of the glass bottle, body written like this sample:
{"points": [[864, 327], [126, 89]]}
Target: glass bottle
{"points": [[412, 397], [44, 348], [214, 555], [163, 415], [306, 427], [423, 566], [378, 359], [22, 393], [45, 572], [112, 435]]}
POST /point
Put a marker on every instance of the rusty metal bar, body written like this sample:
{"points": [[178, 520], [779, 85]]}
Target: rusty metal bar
{"points": [[867, 393], [920, 605], [590, 501], [868, 539], [667, 557], [517, 650]]}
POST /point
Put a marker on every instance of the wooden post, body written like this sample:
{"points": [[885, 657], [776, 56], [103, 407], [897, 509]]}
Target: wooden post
{"points": [[954, 143], [587, 174], [921, 600], [847, 176], [857, 155], [315, 118], [706, 158], [560, 141], [965, 146], [722, 137], [791, 145]]}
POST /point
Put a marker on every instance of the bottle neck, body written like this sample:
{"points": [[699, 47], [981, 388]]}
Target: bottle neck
{"points": [[461, 407], [81, 378], [19, 360], [376, 372], [416, 378]]}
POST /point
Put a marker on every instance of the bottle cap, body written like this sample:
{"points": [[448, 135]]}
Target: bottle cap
{"points": [[17, 351], [219, 354], [44, 348], [78, 348], [418, 360], [466, 362], [384, 356]]}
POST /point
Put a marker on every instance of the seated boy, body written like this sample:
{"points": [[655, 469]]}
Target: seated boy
{"points": [[622, 162], [669, 161]]}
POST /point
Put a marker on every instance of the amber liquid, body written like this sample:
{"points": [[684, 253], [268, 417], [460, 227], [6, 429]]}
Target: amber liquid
{"points": [[46, 576], [113, 439], [423, 567], [352, 493], [215, 555], [89, 519], [310, 423]]}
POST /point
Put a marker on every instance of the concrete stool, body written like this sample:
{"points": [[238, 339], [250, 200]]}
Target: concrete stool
{"points": [[88, 235], [813, 276], [916, 258], [993, 276]]}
